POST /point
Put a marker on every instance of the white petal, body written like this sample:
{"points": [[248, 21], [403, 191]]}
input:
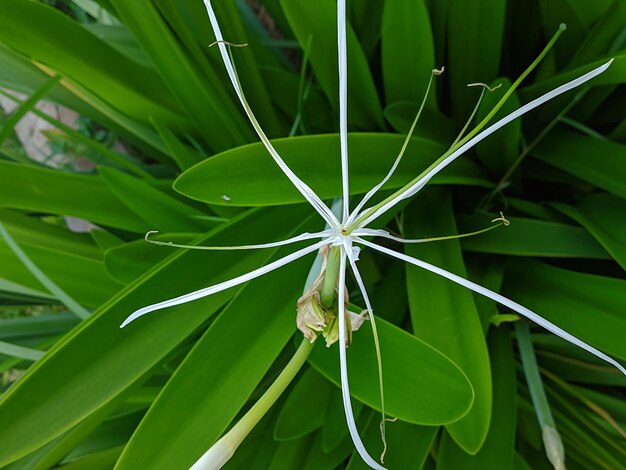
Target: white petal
{"points": [[297, 238], [345, 387], [418, 185], [225, 285], [368, 305], [500, 299], [304, 189], [342, 57]]}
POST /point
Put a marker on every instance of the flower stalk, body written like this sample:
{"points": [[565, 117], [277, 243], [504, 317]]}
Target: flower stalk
{"points": [[225, 447]]}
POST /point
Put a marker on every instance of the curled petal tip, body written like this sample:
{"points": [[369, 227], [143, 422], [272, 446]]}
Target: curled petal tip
{"points": [[132, 317]]}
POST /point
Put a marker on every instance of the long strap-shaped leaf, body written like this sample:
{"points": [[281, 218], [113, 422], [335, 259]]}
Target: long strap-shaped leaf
{"points": [[54, 289]]}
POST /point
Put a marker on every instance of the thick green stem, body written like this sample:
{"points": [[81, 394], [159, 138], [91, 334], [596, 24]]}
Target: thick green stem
{"points": [[223, 449], [329, 287], [262, 406]]}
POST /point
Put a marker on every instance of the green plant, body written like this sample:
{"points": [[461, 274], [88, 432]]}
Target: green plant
{"points": [[169, 99]]}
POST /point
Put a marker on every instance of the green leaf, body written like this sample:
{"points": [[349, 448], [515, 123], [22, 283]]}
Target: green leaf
{"points": [[37, 326], [304, 409], [228, 15], [408, 444], [529, 237], [82, 372], [127, 262], [616, 74], [50, 285], [422, 385], [247, 176], [183, 155], [318, 20], [26, 26], [603, 216], [219, 374], [432, 125], [123, 161], [21, 352], [475, 29], [65, 194], [25, 107], [219, 125], [82, 278], [408, 54], [499, 447], [444, 314], [588, 306], [335, 430], [319, 459], [162, 212], [600, 162], [500, 150]]}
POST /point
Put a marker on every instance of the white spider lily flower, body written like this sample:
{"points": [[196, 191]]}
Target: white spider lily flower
{"points": [[343, 237]]}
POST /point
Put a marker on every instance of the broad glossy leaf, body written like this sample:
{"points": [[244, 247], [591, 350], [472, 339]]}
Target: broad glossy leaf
{"points": [[44, 190], [304, 409], [499, 446], [162, 212], [603, 216], [587, 306], [408, 54], [599, 162], [247, 176], [82, 372], [318, 19], [218, 376], [529, 237], [421, 385], [49, 36], [444, 314]]}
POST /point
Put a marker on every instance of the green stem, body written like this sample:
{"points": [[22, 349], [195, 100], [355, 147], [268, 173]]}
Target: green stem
{"points": [[223, 449], [329, 288]]}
